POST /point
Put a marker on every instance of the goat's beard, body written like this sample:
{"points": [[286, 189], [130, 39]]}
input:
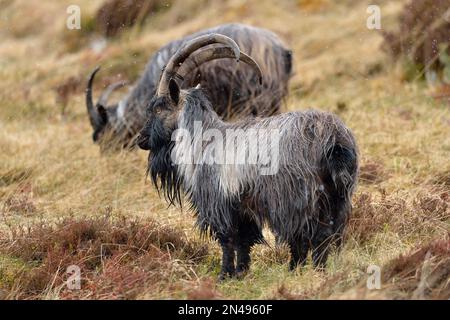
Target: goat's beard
{"points": [[163, 172]]}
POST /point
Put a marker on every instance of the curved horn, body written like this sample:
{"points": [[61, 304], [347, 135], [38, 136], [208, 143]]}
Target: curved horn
{"points": [[103, 100], [182, 54], [205, 55], [93, 114]]}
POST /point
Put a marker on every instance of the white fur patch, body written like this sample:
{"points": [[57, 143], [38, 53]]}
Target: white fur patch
{"points": [[121, 109], [229, 179]]}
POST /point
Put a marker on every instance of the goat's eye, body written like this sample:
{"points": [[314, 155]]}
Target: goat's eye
{"points": [[157, 110]]}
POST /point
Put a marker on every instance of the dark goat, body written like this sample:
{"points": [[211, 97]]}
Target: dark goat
{"points": [[231, 87], [302, 190]]}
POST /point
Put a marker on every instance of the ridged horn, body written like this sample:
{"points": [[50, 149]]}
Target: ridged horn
{"points": [[209, 54], [182, 54], [103, 100], [94, 117]]}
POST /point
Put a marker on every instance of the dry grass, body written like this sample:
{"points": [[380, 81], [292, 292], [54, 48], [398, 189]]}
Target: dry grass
{"points": [[118, 257], [423, 32], [423, 273], [114, 16], [55, 185]]}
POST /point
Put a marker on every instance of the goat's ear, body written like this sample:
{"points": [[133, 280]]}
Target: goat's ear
{"points": [[174, 91], [103, 114]]}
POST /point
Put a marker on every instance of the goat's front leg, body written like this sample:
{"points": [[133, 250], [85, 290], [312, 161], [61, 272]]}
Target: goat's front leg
{"points": [[299, 252], [228, 268], [249, 233]]}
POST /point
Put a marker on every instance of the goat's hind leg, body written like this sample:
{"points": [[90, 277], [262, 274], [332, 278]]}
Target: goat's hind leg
{"points": [[299, 252], [249, 233], [321, 245]]}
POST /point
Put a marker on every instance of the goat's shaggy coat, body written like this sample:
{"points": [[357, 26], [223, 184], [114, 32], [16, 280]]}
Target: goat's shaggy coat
{"points": [[232, 88], [305, 200], [306, 203]]}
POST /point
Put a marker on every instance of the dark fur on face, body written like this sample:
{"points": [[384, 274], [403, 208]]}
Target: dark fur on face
{"points": [[156, 137]]}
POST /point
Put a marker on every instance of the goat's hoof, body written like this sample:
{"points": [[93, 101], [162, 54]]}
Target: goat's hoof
{"points": [[241, 273], [225, 275], [320, 268], [293, 266]]}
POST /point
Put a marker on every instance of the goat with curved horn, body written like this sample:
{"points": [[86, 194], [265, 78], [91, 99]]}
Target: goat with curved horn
{"points": [[232, 87], [98, 112], [308, 158]]}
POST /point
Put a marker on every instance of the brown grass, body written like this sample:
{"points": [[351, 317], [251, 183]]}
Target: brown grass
{"points": [[423, 273], [426, 213], [423, 32], [21, 201], [205, 290], [114, 16], [372, 172], [118, 257], [64, 91]]}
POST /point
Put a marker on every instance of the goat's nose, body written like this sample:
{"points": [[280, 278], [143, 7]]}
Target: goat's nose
{"points": [[142, 142]]}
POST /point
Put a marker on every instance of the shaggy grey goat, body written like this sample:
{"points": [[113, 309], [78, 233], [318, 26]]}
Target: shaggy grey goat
{"points": [[231, 87], [305, 200]]}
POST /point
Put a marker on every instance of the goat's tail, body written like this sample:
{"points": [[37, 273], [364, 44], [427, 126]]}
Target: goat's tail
{"points": [[340, 174], [288, 62], [341, 166]]}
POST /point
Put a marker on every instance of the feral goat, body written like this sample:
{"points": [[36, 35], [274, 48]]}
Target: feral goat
{"points": [[304, 196], [231, 87]]}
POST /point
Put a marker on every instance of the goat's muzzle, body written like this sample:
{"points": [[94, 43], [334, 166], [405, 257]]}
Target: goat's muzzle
{"points": [[143, 141]]}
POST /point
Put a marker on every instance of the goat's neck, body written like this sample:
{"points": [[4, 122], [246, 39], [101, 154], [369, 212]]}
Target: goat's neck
{"points": [[208, 119]]}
